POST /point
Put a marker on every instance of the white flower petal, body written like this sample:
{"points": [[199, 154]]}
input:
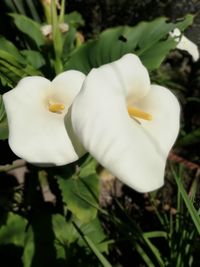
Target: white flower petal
{"points": [[185, 44], [129, 75], [67, 85], [119, 143], [36, 134], [165, 110]]}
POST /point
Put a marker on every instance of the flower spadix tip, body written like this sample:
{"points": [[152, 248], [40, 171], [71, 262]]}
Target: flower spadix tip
{"points": [[135, 112], [56, 108]]}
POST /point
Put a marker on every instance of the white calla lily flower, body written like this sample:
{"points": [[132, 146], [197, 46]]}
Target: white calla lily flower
{"points": [[39, 122], [126, 123], [185, 44]]}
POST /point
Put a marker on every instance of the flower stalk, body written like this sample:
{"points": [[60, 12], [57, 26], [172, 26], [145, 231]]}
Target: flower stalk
{"points": [[56, 33]]}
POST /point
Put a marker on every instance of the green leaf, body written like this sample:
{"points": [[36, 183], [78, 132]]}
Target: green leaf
{"points": [[93, 248], [98, 254], [12, 71], [74, 232], [10, 63], [80, 192], [144, 255], [13, 232], [34, 58], [5, 81], [2, 109], [30, 27], [57, 39], [154, 250], [66, 234], [29, 248], [190, 139], [17, 6], [3, 121], [191, 209], [154, 56], [3, 129], [64, 231], [69, 42], [74, 19], [149, 40], [88, 167], [94, 231], [8, 74], [183, 23], [10, 48], [33, 9]]}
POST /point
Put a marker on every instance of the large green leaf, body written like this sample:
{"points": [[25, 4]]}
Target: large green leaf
{"points": [[11, 70], [9, 62], [10, 48], [80, 192], [149, 40], [34, 58], [13, 232], [30, 27], [94, 231], [26, 62], [65, 233], [69, 233]]}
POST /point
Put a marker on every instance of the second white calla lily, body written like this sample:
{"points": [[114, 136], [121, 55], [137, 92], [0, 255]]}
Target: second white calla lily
{"points": [[39, 122], [185, 44], [126, 123]]}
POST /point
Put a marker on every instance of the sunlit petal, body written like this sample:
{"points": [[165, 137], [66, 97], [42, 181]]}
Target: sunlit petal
{"points": [[132, 151], [35, 133]]}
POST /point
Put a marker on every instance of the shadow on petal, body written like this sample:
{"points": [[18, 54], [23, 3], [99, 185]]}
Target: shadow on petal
{"points": [[78, 147], [163, 154]]}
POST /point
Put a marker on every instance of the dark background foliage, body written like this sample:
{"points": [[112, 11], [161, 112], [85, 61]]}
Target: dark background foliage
{"points": [[100, 14]]}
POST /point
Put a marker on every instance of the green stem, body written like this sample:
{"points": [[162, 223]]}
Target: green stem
{"points": [[62, 12], [47, 11], [57, 39]]}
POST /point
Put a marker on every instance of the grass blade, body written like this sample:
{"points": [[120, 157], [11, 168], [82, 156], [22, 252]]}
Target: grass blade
{"points": [[92, 246], [191, 209]]}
